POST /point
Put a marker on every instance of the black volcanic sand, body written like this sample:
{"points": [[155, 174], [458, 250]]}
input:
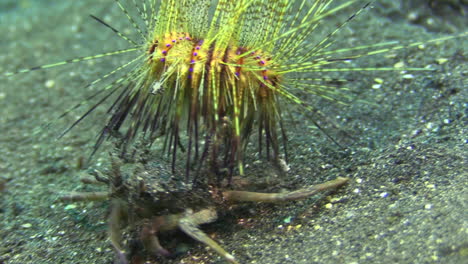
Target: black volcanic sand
{"points": [[405, 140]]}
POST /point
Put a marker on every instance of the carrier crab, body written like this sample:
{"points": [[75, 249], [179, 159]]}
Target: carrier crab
{"points": [[147, 199]]}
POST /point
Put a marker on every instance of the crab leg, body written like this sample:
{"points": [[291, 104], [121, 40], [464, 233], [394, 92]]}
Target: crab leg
{"points": [[88, 196], [85, 196], [242, 196], [115, 235], [189, 225]]}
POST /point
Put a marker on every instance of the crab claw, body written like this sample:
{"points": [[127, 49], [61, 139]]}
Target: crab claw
{"points": [[189, 225], [150, 240]]}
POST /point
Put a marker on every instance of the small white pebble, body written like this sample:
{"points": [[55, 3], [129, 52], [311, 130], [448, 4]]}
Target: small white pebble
{"points": [[408, 76], [378, 80], [430, 21], [413, 16], [400, 64], [70, 206], [441, 61], [49, 83], [416, 132], [384, 194], [67, 148], [430, 125], [428, 206]]}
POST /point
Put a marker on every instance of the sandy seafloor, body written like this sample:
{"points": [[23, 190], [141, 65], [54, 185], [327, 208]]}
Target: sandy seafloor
{"points": [[407, 140]]}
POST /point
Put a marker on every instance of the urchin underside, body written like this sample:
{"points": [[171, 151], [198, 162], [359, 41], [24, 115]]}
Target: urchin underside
{"points": [[217, 95]]}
